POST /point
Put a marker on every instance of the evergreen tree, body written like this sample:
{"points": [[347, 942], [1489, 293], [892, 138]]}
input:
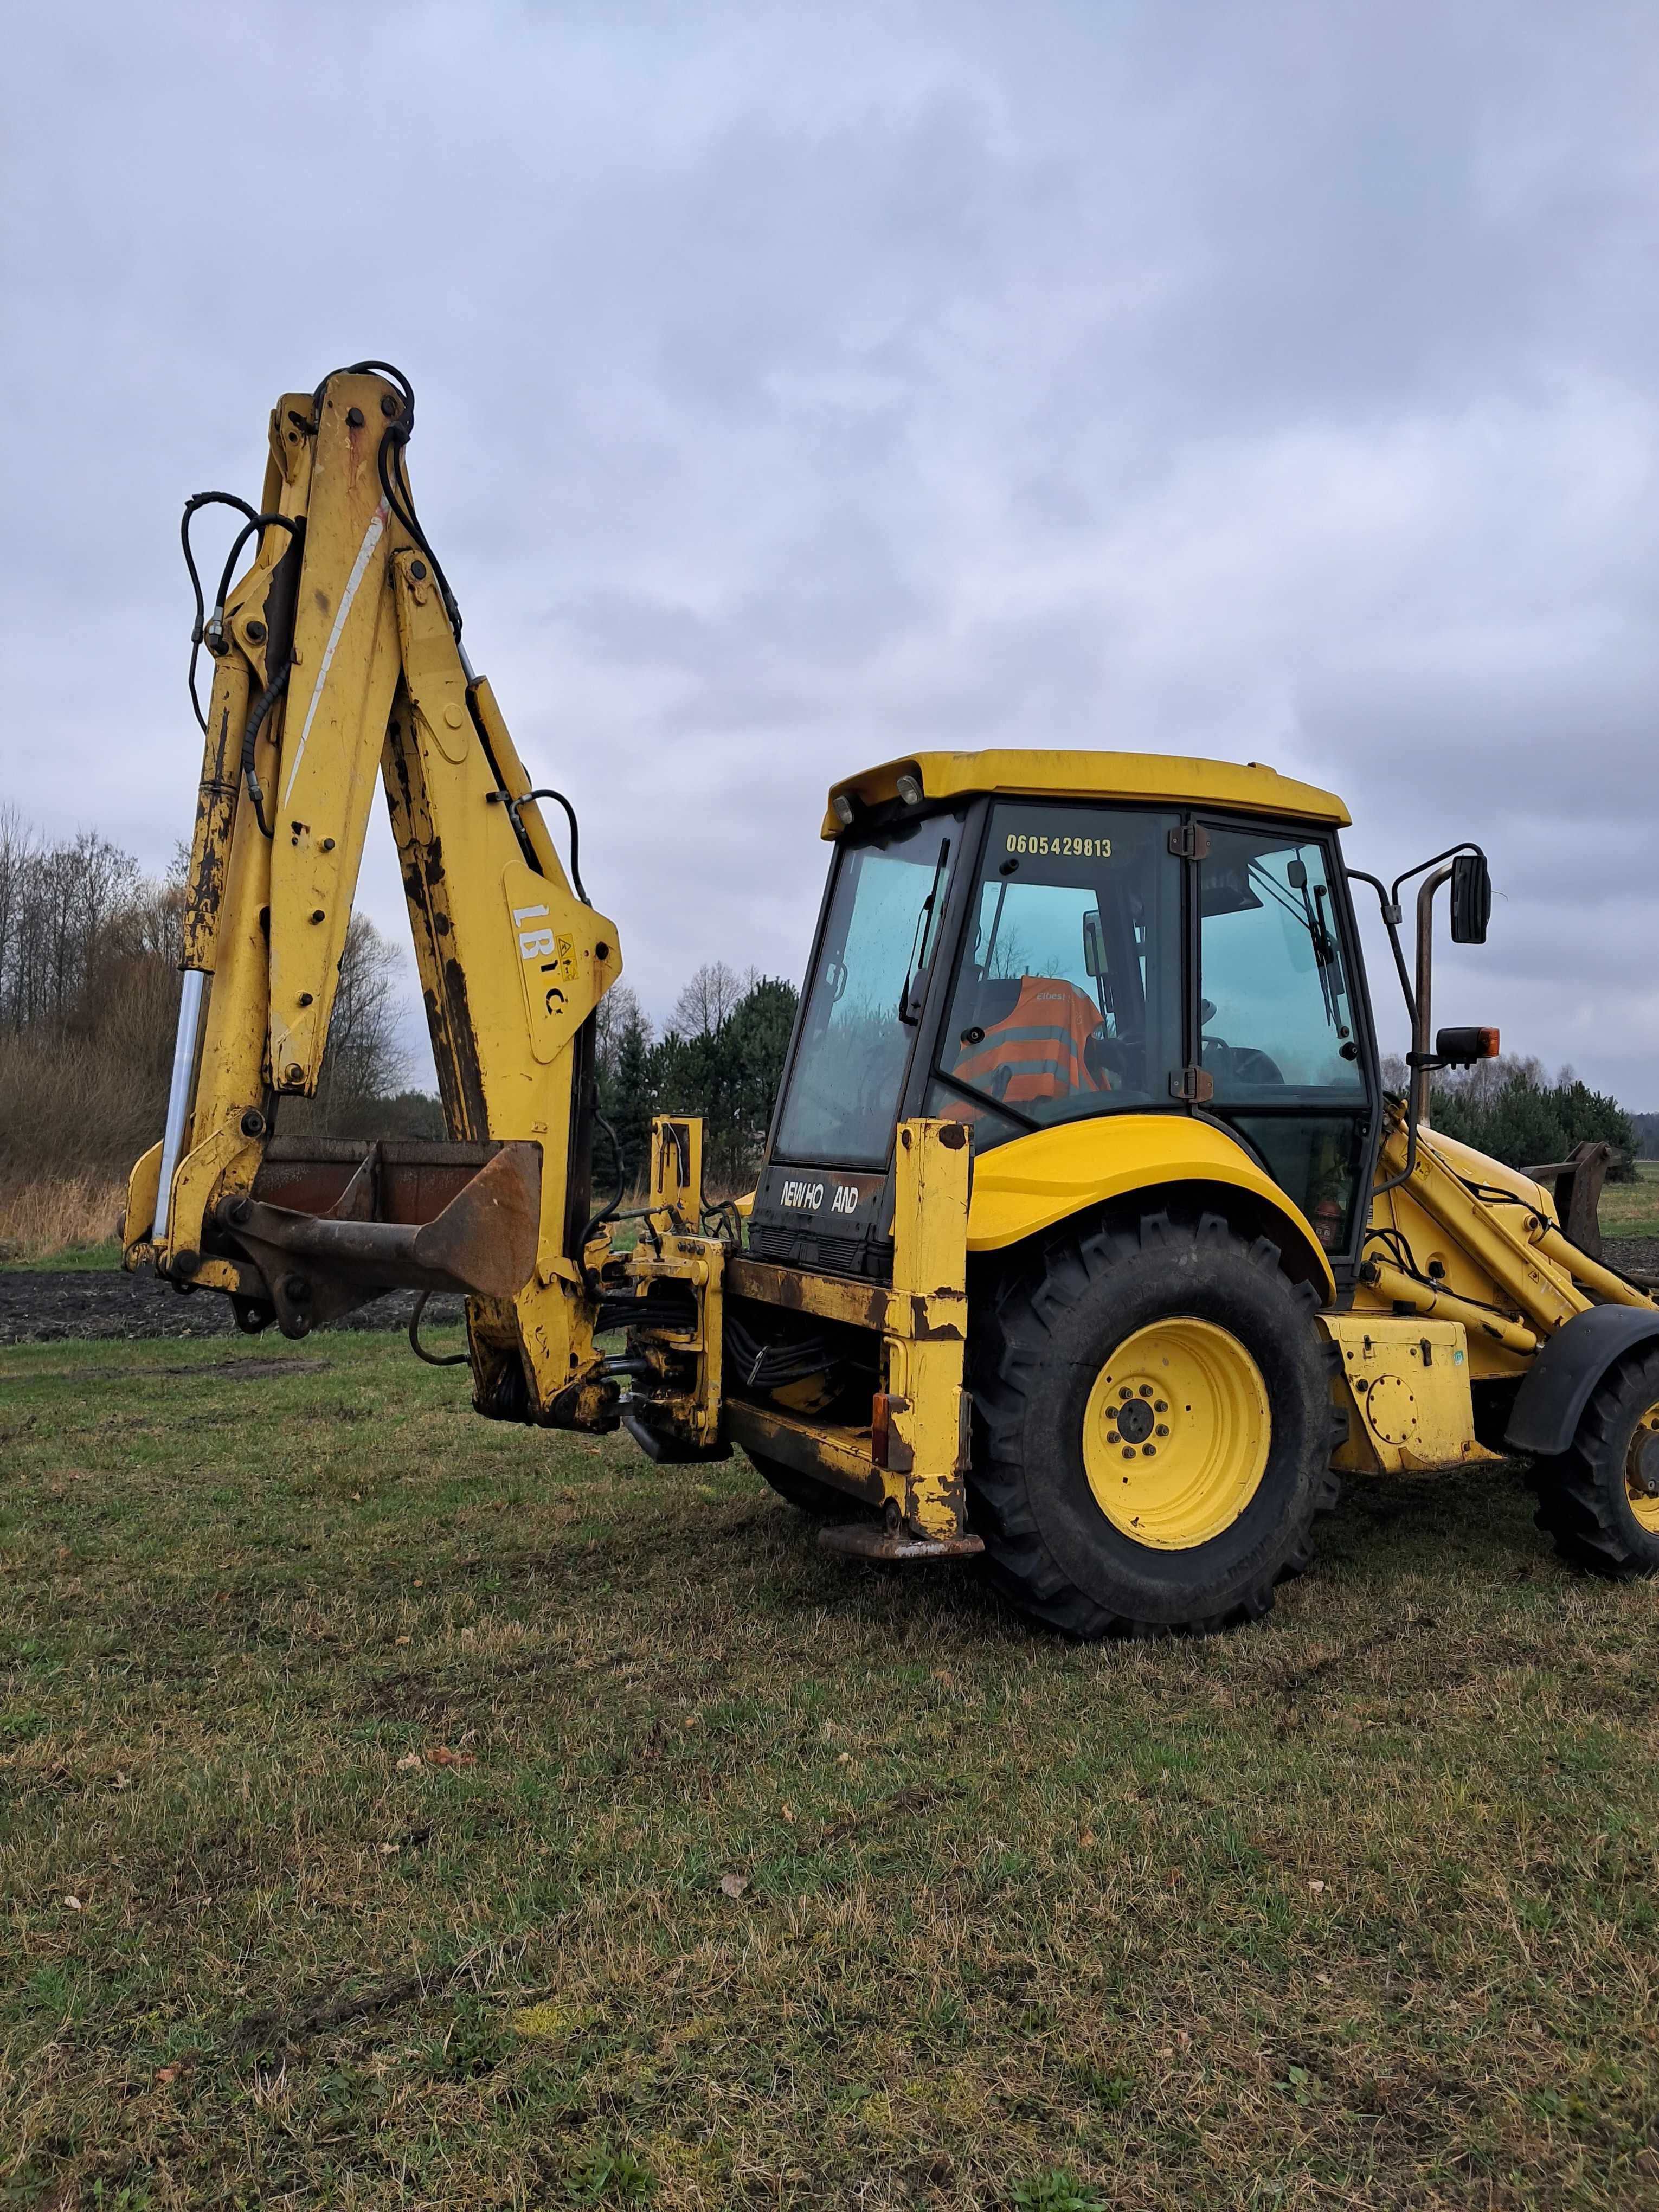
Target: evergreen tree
{"points": [[1526, 1121]]}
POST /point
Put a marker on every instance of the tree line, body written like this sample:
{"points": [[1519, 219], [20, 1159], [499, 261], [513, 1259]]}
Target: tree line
{"points": [[720, 1056], [89, 951], [1514, 1111], [89, 947]]}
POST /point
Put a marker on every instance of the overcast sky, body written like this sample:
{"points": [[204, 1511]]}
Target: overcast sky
{"points": [[800, 386]]}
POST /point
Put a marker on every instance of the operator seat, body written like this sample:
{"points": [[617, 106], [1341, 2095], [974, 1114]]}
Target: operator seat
{"points": [[1030, 1041]]}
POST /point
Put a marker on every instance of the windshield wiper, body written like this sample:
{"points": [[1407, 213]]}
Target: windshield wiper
{"points": [[916, 967]]}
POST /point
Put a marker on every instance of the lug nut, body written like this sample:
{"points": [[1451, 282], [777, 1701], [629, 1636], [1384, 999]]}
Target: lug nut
{"points": [[1162, 1429], [1149, 1451], [1161, 1405], [1129, 1451], [1146, 1390]]}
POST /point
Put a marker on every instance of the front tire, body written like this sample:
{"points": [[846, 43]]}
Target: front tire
{"points": [[1154, 1428], [1599, 1500]]}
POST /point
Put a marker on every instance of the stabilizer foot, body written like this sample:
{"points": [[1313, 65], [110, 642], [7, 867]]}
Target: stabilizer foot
{"points": [[866, 1540]]}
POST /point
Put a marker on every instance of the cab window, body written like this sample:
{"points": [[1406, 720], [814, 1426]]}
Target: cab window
{"points": [[1276, 1030], [880, 935], [1067, 998]]}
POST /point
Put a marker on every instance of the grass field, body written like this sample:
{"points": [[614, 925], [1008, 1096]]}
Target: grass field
{"points": [[406, 1810], [1631, 1209]]}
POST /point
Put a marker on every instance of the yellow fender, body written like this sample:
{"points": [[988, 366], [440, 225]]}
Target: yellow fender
{"points": [[1035, 1181]]}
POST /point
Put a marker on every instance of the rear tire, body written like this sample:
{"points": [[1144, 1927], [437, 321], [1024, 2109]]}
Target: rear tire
{"points": [[1085, 1528], [1595, 1500]]}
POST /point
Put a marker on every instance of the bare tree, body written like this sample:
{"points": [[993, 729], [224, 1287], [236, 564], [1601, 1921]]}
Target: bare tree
{"points": [[56, 905], [16, 848], [709, 997], [362, 1061], [620, 1015]]}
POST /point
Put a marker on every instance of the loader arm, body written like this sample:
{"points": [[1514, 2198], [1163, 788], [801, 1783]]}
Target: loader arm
{"points": [[336, 660]]}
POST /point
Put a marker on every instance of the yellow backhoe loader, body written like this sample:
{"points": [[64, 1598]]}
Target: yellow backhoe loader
{"points": [[1086, 1237]]}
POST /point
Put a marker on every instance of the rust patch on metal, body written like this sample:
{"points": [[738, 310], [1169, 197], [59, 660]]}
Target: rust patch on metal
{"points": [[469, 1078], [923, 1331]]}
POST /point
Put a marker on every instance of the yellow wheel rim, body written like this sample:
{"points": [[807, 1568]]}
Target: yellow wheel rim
{"points": [[1642, 1470], [1176, 1433]]}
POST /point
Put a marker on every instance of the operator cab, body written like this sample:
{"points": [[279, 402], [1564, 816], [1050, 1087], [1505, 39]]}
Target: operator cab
{"points": [[1015, 940]]}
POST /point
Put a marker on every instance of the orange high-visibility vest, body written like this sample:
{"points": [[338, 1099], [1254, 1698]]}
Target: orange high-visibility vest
{"points": [[1037, 1050]]}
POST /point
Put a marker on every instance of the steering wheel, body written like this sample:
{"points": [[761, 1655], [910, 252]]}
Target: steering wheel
{"points": [[1241, 1063], [1115, 1057]]}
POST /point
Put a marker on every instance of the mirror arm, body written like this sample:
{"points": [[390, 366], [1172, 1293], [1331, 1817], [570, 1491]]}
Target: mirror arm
{"points": [[1420, 1056], [1391, 919]]}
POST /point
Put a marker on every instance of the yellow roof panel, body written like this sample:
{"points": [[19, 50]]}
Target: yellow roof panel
{"points": [[1171, 778]]}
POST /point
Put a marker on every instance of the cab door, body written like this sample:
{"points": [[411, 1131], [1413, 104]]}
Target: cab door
{"points": [[1284, 1053]]}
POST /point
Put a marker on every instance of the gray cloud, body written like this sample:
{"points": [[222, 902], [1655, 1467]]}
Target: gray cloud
{"points": [[799, 387]]}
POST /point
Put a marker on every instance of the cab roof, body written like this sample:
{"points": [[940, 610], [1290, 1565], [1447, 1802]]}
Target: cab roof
{"points": [[1172, 778]]}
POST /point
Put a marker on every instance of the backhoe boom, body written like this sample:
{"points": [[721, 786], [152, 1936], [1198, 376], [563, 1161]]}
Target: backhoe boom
{"points": [[336, 660]]}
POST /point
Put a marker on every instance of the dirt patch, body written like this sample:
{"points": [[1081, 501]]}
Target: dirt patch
{"points": [[51, 1307], [1641, 1252], [230, 1370]]}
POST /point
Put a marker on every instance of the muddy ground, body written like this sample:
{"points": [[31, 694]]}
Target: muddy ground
{"points": [[43, 1308]]}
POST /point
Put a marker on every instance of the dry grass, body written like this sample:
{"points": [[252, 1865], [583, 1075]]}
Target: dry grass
{"points": [[374, 1773], [49, 1216]]}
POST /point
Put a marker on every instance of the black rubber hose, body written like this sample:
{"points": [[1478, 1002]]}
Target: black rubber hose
{"points": [[432, 1359], [512, 807]]}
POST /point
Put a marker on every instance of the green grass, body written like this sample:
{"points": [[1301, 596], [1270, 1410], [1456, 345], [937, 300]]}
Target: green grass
{"points": [[395, 1761], [77, 1259], [1631, 1209]]}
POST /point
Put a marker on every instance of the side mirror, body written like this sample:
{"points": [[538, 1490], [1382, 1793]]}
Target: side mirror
{"points": [[1471, 898], [1094, 947]]}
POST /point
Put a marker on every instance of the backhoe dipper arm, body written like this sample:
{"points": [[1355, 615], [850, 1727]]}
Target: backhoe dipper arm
{"points": [[338, 657]]}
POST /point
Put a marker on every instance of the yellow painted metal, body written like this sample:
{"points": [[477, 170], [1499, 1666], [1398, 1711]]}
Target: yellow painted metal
{"points": [[675, 1183], [835, 1452], [687, 1380], [1643, 1502], [922, 1354], [1176, 1433], [844, 1298], [1405, 1390], [1589, 1275], [1390, 1286], [339, 695], [1035, 1181], [141, 1205], [1486, 1271], [512, 963], [1491, 1175], [1169, 779]]}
